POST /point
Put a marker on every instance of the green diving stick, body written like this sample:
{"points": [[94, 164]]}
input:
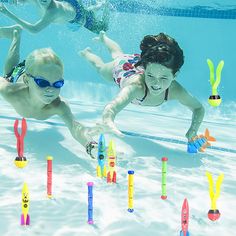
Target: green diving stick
{"points": [[163, 182], [215, 99]]}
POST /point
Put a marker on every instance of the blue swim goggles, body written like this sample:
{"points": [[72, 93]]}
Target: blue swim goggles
{"points": [[43, 83]]}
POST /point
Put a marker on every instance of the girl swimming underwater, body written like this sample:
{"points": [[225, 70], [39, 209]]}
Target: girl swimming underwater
{"points": [[66, 11], [148, 79], [33, 87]]}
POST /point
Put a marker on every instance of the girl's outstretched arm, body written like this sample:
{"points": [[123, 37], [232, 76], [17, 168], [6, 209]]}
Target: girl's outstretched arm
{"points": [[47, 19], [77, 130], [185, 98], [124, 97]]}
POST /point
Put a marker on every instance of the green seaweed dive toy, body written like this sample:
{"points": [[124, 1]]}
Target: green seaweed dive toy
{"points": [[215, 99]]}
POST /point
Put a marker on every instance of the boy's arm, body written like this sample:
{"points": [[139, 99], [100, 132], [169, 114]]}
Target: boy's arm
{"points": [[124, 97], [33, 28], [77, 130], [179, 93]]}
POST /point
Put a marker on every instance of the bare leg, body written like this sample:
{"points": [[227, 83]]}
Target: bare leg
{"points": [[13, 56], [104, 69], [111, 45]]}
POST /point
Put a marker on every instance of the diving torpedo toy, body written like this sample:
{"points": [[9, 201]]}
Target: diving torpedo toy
{"points": [[111, 153], [215, 99], [25, 218], [185, 219], [101, 167]]}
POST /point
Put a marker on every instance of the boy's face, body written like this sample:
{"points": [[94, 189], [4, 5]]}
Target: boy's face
{"points": [[51, 73], [158, 78]]}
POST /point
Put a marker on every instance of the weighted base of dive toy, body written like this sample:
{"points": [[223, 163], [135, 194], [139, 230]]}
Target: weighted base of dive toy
{"points": [[111, 178], [23, 222], [213, 215], [130, 210], [90, 222], [101, 173], [163, 197], [21, 162], [214, 100], [182, 233]]}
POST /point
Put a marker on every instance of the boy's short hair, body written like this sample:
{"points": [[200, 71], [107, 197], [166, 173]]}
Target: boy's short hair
{"points": [[41, 56], [161, 49]]}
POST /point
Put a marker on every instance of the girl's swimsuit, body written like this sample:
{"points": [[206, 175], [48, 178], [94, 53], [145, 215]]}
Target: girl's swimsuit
{"points": [[85, 18], [125, 68], [79, 9], [15, 73]]}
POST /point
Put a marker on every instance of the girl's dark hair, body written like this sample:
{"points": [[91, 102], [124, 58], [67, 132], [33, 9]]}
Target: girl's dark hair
{"points": [[161, 49]]}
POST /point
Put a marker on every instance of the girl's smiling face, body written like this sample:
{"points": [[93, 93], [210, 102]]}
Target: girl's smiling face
{"points": [[158, 78]]}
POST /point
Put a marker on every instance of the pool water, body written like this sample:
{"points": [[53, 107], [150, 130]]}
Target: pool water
{"points": [[151, 133]]}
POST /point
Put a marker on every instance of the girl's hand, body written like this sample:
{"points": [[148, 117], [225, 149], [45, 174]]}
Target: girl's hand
{"points": [[108, 127]]}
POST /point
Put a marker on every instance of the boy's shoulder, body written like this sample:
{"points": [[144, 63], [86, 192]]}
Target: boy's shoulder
{"points": [[11, 90]]}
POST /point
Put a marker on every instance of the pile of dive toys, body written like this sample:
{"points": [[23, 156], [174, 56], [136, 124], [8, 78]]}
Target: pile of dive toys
{"points": [[200, 142], [107, 170]]}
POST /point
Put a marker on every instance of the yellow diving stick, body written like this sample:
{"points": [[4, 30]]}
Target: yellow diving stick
{"points": [[130, 191]]}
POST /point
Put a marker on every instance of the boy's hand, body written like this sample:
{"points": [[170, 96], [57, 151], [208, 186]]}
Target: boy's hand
{"points": [[92, 149]]}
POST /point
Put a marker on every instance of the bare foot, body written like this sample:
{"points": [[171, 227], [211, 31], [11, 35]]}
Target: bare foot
{"points": [[17, 31], [85, 51], [100, 37], [8, 32]]}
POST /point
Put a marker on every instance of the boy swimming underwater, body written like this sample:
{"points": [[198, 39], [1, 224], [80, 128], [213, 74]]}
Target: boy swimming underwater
{"points": [[33, 87], [67, 11], [148, 79]]}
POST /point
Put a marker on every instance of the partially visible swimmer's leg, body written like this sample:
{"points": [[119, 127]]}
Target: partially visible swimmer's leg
{"points": [[104, 69], [113, 47], [95, 60], [13, 55]]}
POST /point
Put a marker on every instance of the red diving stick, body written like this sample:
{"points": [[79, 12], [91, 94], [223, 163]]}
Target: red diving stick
{"points": [[49, 176]]}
